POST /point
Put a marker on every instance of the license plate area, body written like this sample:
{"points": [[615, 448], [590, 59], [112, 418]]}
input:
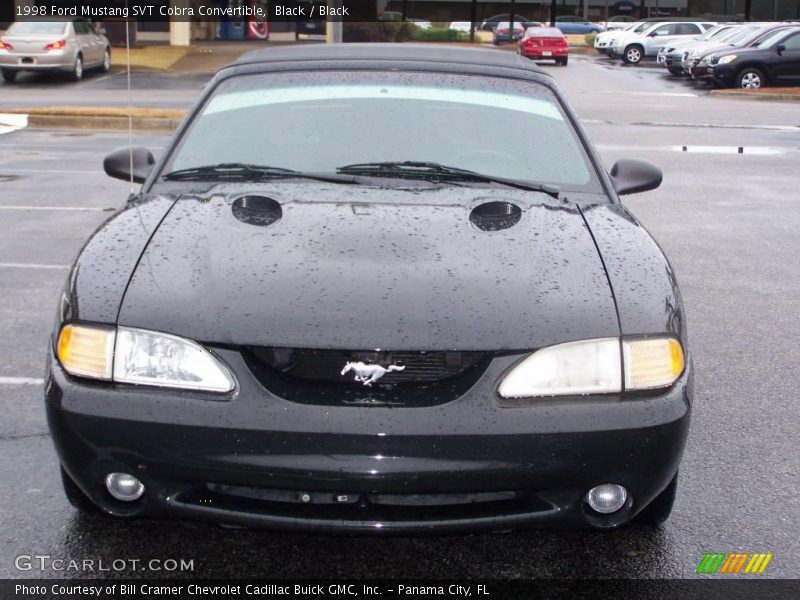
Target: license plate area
{"points": [[547, 53], [27, 60]]}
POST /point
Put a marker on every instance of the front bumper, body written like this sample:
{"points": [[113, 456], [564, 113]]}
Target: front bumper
{"points": [[616, 51], [469, 464], [701, 71], [673, 61], [723, 75]]}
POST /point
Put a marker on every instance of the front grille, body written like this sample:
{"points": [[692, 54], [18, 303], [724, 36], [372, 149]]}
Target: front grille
{"points": [[412, 378], [363, 507]]}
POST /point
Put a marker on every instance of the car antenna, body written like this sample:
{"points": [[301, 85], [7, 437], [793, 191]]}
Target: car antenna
{"points": [[130, 106]]}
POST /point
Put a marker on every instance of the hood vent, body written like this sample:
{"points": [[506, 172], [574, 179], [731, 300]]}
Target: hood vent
{"points": [[257, 210], [494, 216]]}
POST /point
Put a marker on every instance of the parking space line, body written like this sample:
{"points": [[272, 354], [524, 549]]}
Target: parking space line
{"points": [[61, 171], [21, 381], [31, 266], [72, 208], [12, 122], [737, 150], [664, 94], [719, 126]]}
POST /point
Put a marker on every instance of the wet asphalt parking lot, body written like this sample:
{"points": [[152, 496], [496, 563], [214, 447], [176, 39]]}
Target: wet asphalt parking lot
{"points": [[729, 222]]}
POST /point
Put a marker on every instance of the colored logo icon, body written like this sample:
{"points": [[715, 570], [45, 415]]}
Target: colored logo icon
{"points": [[749, 563]]}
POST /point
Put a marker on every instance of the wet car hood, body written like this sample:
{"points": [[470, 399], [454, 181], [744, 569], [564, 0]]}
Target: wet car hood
{"points": [[352, 267]]}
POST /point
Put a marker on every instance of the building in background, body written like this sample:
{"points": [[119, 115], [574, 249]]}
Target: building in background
{"points": [[181, 32]]}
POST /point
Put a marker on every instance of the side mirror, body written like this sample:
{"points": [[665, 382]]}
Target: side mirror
{"points": [[118, 164], [780, 49], [631, 176]]}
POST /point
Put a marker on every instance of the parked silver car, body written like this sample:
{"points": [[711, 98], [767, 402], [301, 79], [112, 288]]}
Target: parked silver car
{"points": [[744, 32], [66, 46], [633, 47], [670, 55]]}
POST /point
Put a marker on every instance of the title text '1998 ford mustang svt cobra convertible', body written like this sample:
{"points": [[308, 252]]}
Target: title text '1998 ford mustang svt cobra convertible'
{"points": [[341, 303]]}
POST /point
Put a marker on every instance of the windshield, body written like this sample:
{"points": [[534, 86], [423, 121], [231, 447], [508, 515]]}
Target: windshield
{"points": [[723, 34], [770, 40], [553, 32], [716, 32], [743, 34], [319, 122], [36, 27], [730, 34]]}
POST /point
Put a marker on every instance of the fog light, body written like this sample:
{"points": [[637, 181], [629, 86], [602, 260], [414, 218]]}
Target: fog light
{"points": [[607, 498], [124, 486]]}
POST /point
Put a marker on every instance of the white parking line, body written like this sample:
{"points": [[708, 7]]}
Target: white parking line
{"points": [[31, 266], [73, 208], [21, 381], [12, 122], [754, 150], [61, 171], [791, 128], [664, 94], [758, 150], [720, 126]]}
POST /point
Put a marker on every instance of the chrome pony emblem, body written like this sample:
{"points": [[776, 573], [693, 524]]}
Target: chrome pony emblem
{"points": [[368, 374]]}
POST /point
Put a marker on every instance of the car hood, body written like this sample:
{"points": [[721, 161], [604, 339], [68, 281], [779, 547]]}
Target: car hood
{"points": [[683, 44], [355, 267], [706, 47], [624, 35]]}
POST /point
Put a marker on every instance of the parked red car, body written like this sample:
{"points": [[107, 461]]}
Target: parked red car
{"points": [[544, 43]]}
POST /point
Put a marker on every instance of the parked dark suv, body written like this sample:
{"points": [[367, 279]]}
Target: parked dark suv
{"points": [[775, 60]]}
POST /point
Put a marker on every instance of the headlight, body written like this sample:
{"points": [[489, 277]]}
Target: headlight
{"points": [[586, 367], [141, 357], [597, 366], [727, 59]]}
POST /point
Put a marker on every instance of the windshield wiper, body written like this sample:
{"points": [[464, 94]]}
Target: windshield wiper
{"points": [[248, 172], [431, 170]]}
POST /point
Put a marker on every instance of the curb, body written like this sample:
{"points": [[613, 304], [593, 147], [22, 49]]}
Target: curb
{"points": [[102, 122], [756, 96], [101, 117]]}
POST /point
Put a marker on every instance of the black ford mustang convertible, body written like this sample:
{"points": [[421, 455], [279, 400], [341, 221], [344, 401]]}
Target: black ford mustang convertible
{"points": [[339, 302]]}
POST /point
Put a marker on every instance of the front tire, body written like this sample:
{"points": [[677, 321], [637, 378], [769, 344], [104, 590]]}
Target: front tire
{"points": [[9, 75], [675, 71], [77, 69], [750, 78], [75, 495], [633, 54], [660, 508]]}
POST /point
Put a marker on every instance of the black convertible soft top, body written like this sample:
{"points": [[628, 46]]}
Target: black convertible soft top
{"points": [[425, 53]]}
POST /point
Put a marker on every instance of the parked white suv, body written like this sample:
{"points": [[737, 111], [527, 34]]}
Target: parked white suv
{"points": [[604, 40], [633, 46]]}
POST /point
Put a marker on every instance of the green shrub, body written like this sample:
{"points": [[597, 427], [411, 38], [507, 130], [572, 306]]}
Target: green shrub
{"points": [[589, 38], [440, 34]]}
